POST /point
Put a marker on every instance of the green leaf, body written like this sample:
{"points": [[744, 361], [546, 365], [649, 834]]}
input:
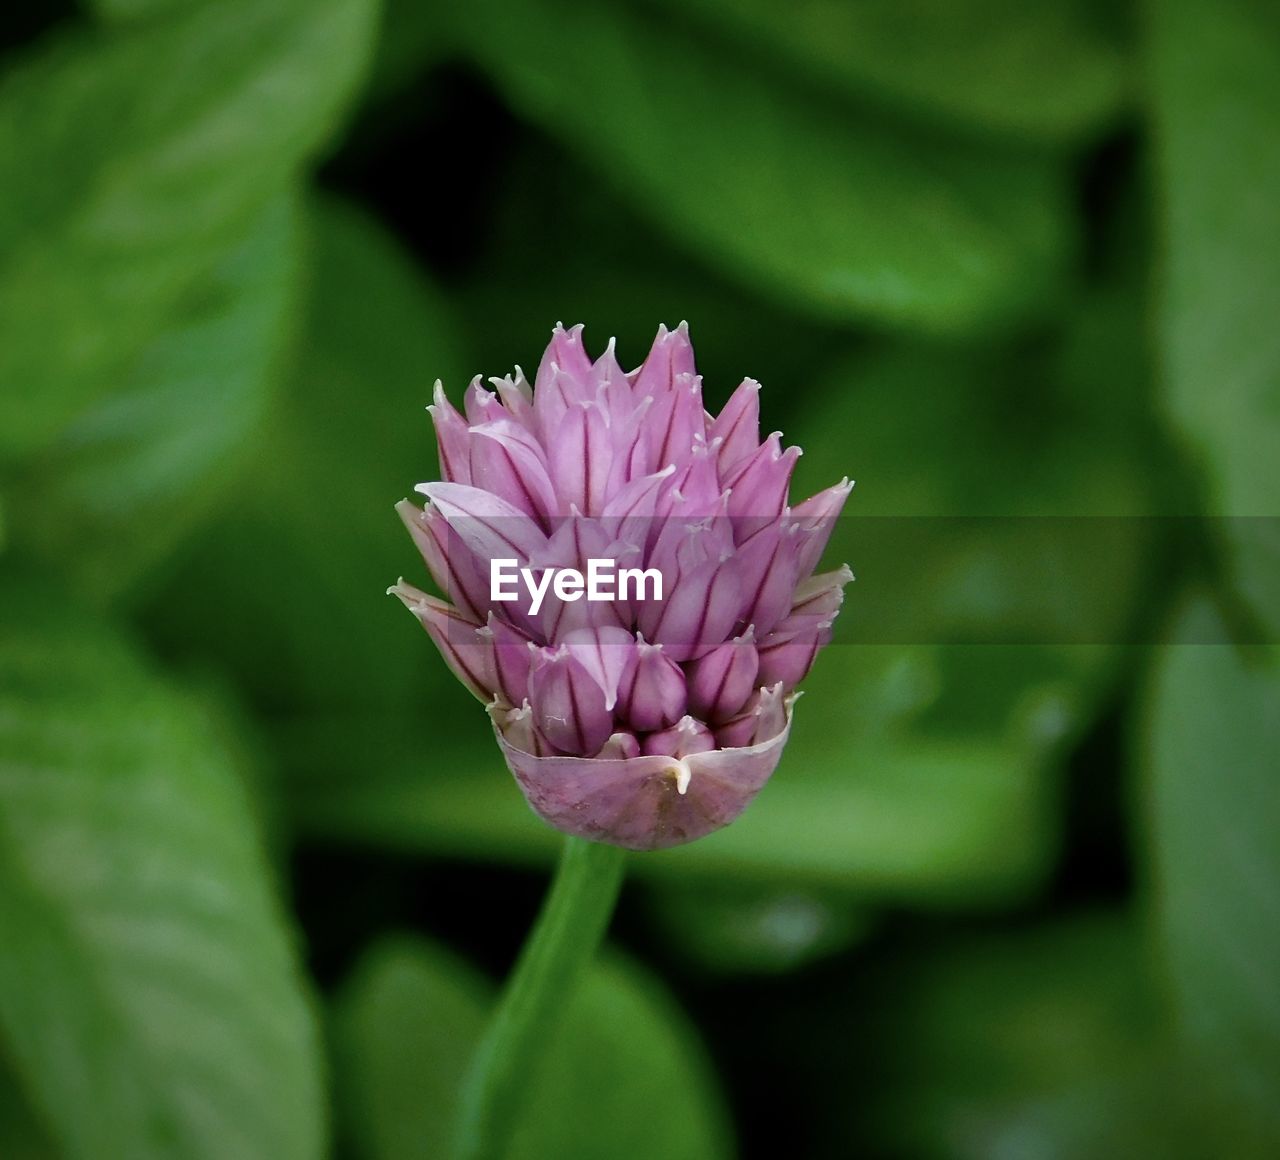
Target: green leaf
{"points": [[837, 210], [150, 997], [734, 330], [732, 929], [1035, 70], [135, 472], [22, 1137], [1213, 815], [403, 1031], [409, 45], [625, 1076], [291, 579], [1018, 531], [123, 10], [1215, 78], [1047, 1042], [137, 157]]}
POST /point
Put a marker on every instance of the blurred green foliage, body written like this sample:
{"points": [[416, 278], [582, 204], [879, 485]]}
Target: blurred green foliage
{"points": [[260, 863], [624, 1066]]}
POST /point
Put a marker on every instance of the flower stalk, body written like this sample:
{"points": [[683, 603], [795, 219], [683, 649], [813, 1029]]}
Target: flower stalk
{"points": [[561, 946]]}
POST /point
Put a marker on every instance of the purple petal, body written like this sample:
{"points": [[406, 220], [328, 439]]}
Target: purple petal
{"points": [[652, 692], [629, 513], [638, 460], [508, 461], [773, 713], [766, 565], [670, 357], [517, 398], [582, 456], [482, 406], [738, 732], [565, 353], [604, 653], [568, 703], [561, 381], [788, 659], [489, 525], [607, 385], [738, 426], [620, 745], [758, 486], [636, 803], [682, 547], [453, 440], [451, 564], [818, 515], [700, 611], [677, 417], [512, 658], [695, 489], [576, 541], [683, 739], [723, 679], [516, 727]]}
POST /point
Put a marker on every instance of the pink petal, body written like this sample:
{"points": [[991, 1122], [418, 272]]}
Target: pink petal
{"points": [[677, 417], [450, 562], [508, 461], [568, 704], [652, 692], [453, 440], [723, 679], [487, 524], [670, 357], [738, 426], [636, 802], [480, 405], [818, 515], [683, 739], [581, 458]]}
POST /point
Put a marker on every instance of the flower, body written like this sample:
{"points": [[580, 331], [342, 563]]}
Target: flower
{"points": [[652, 715]]}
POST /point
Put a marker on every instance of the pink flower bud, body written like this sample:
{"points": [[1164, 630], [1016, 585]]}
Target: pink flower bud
{"points": [[640, 719]]}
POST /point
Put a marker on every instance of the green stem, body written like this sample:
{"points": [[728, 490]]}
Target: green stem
{"points": [[573, 920]]}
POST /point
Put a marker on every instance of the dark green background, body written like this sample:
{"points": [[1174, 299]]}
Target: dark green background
{"points": [[261, 866]]}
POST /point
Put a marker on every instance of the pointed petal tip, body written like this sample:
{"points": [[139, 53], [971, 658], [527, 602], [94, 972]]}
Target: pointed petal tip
{"points": [[412, 598]]}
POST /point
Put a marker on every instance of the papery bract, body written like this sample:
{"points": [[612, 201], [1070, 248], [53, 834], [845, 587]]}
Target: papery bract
{"points": [[640, 721]]}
